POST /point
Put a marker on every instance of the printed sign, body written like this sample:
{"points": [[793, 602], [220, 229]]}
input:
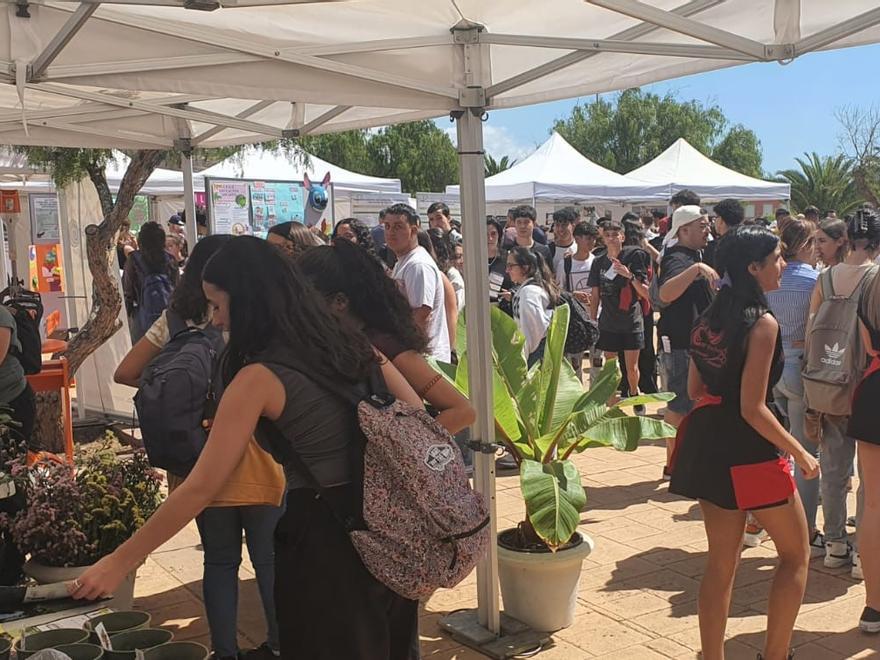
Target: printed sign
{"points": [[45, 268], [44, 218], [231, 208]]}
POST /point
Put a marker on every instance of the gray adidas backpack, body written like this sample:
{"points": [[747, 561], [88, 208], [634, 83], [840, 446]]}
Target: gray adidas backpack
{"points": [[835, 357]]}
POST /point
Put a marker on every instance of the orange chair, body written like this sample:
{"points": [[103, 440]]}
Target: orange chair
{"points": [[55, 376]]}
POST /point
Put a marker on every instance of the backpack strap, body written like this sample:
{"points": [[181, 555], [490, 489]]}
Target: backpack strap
{"points": [[827, 284], [566, 265], [176, 323]]}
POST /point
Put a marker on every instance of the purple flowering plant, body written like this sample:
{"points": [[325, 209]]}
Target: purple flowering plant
{"points": [[75, 517]]}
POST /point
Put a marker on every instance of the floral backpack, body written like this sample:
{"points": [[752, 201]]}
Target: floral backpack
{"points": [[423, 526]]}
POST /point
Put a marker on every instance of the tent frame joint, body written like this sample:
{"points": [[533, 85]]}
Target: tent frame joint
{"points": [[290, 133], [473, 99], [184, 145]]}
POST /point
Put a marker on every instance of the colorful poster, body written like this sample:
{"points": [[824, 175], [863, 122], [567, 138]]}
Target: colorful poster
{"points": [[44, 218], [275, 202], [230, 208], [46, 271], [200, 198], [10, 201]]}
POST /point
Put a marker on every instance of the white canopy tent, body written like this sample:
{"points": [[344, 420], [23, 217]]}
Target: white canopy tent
{"points": [[682, 166], [559, 172], [155, 74]]}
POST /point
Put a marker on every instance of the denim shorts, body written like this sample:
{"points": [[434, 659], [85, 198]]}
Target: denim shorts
{"points": [[676, 364]]}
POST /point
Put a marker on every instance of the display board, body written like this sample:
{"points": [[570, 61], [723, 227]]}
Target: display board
{"points": [[44, 218], [244, 207]]}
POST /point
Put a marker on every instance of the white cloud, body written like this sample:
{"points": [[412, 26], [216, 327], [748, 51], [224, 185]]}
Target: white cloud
{"points": [[498, 142]]}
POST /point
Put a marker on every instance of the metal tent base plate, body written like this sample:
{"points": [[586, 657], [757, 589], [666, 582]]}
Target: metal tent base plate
{"points": [[516, 639]]}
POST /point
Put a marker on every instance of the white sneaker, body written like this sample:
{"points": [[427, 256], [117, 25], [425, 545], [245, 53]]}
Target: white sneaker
{"points": [[857, 567], [754, 536], [837, 554]]}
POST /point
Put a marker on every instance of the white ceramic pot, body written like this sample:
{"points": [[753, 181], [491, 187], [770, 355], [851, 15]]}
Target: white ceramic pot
{"points": [[540, 588], [122, 599]]}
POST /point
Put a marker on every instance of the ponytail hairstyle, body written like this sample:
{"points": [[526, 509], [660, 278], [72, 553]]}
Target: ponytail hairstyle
{"points": [[863, 229], [151, 242], [740, 302], [373, 298], [537, 270], [443, 249]]}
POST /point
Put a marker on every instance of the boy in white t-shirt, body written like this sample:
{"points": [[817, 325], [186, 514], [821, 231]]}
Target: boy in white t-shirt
{"points": [[419, 278]]}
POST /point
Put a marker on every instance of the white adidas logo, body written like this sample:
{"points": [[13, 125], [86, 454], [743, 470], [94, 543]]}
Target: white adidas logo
{"points": [[834, 355]]}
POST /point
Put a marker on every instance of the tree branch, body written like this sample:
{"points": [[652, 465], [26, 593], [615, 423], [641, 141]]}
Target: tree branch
{"points": [[99, 180], [103, 321]]}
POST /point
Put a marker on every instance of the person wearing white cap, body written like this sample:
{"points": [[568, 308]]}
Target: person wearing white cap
{"points": [[686, 285]]}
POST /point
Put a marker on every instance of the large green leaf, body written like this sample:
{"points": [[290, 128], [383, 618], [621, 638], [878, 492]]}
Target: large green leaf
{"points": [[508, 350], [604, 387], [644, 399], [624, 433], [551, 365], [461, 333], [530, 401], [554, 498], [506, 414], [569, 390]]}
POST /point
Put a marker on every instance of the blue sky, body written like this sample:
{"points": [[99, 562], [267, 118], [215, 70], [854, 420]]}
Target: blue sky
{"points": [[791, 108]]}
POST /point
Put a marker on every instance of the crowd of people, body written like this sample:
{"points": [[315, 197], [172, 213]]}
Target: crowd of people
{"points": [[746, 315]]}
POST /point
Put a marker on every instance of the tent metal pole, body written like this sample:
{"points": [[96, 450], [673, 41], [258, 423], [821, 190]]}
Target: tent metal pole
{"points": [[189, 201], [479, 345]]}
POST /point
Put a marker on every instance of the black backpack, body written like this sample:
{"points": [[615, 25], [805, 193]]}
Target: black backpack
{"points": [[27, 309], [177, 392], [583, 333]]}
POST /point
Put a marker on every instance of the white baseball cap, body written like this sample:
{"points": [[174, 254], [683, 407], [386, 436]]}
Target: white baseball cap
{"points": [[683, 215]]}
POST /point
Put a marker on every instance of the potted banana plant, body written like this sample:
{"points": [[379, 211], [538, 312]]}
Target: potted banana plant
{"points": [[543, 416]]}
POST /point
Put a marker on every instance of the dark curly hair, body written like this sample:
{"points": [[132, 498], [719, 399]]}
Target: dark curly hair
{"points": [[362, 234], [273, 308], [444, 251], [373, 297], [188, 299]]}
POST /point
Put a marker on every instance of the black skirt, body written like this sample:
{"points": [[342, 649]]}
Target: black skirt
{"points": [[720, 458], [863, 422], [329, 606]]}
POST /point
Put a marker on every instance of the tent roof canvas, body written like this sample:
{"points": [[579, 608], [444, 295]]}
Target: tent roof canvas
{"points": [[558, 171], [136, 74], [683, 166], [256, 164]]}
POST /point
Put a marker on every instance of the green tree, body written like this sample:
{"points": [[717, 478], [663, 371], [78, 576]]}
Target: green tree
{"points": [[494, 167], [632, 128], [347, 149], [739, 150], [419, 153], [825, 182]]}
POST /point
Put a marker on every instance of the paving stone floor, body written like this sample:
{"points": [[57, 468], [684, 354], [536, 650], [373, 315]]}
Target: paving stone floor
{"points": [[638, 588]]}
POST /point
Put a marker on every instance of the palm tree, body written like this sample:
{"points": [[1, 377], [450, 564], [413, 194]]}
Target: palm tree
{"points": [[825, 182], [495, 166]]}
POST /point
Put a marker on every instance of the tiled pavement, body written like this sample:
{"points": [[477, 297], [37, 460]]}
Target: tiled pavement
{"points": [[638, 589]]}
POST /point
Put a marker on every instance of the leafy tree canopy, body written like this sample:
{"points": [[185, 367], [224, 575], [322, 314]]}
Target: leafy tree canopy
{"points": [[633, 127]]}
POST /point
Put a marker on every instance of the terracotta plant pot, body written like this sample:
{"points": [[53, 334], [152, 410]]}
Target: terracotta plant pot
{"points": [[540, 588], [178, 651], [49, 639], [117, 622], [126, 643], [81, 651]]}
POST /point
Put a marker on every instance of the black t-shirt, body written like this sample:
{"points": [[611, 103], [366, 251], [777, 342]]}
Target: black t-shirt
{"points": [[677, 318], [621, 310], [709, 253], [498, 278]]}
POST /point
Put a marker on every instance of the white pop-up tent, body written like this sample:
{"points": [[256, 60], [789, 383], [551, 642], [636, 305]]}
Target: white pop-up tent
{"points": [[159, 73], [682, 166], [255, 164], [559, 172]]}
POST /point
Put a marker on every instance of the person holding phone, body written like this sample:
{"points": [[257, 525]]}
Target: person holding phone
{"points": [[618, 280]]}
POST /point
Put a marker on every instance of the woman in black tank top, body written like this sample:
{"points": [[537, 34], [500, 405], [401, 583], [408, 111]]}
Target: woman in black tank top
{"points": [[328, 605], [731, 452]]}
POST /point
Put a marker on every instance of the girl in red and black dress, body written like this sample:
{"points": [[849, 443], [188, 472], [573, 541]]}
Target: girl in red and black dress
{"points": [[864, 424], [731, 450]]}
